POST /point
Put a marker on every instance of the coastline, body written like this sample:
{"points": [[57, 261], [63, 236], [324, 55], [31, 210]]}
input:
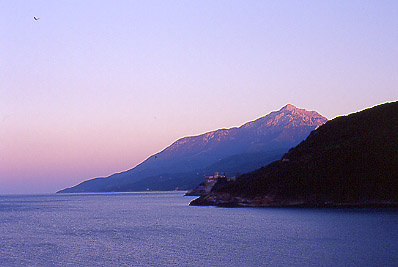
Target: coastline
{"points": [[246, 203]]}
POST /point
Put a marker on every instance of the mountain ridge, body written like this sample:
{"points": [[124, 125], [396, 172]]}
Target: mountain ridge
{"points": [[277, 130]]}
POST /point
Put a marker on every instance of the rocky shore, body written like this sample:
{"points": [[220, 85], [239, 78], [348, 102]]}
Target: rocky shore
{"points": [[226, 200]]}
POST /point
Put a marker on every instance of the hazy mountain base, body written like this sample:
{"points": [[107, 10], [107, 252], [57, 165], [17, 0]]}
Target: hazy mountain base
{"points": [[232, 166], [188, 180], [351, 161]]}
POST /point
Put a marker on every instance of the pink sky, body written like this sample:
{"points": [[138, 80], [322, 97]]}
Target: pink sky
{"points": [[95, 87]]}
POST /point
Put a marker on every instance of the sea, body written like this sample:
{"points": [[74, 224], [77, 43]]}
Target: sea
{"points": [[161, 229]]}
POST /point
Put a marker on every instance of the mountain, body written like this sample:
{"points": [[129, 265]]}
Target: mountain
{"points": [[349, 161], [183, 164]]}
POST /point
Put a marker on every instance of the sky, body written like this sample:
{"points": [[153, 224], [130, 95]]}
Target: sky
{"points": [[96, 87]]}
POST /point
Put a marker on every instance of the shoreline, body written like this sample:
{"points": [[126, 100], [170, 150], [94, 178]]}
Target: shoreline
{"points": [[325, 205]]}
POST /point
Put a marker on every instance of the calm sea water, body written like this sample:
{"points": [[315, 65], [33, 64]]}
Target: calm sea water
{"points": [[160, 229]]}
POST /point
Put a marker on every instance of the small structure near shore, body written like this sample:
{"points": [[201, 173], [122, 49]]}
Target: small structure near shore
{"points": [[205, 187], [214, 178]]}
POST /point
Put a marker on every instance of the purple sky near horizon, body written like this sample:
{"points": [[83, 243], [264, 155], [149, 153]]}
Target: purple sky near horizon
{"points": [[95, 87]]}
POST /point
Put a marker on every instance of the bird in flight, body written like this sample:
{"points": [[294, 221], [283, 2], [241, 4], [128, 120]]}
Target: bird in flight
{"points": [[36, 18]]}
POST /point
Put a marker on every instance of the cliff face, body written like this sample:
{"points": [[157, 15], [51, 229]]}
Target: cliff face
{"points": [[350, 160], [183, 164]]}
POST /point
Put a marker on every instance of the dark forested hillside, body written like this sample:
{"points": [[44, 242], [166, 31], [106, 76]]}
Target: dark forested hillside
{"points": [[351, 159]]}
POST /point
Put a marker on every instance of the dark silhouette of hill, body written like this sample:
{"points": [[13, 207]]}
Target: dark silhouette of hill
{"points": [[351, 160], [183, 164]]}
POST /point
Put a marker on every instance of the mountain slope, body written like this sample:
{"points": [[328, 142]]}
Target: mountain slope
{"points": [[231, 166], [278, 130], [350, 160]]}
